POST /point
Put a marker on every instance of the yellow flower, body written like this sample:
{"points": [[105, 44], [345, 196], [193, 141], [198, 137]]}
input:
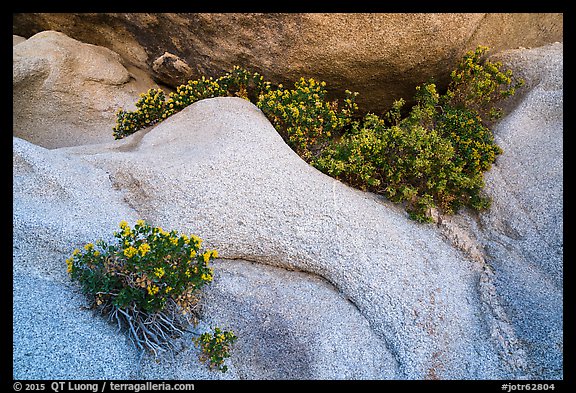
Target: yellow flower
{"points": [[159, 272], [197, 241], [123, 224], [144, 248], [130, 252], [206, 277], [96, 253], [89, 247], [192, 253], [152, 290], [69, 263], [214, 254], [168, 289], [76, 252], [206, 256], [127, 231], [140, 223]]}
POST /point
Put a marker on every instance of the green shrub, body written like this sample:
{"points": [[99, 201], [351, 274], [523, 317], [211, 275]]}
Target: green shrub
{"points": [[478, 85], [147, 282], [216, 347], [434, 157], [304, 118], [404, 162], [152, 107]]}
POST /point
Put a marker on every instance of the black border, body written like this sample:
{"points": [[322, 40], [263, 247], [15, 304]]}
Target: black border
{"points": [[291, 6], [6, 375]]}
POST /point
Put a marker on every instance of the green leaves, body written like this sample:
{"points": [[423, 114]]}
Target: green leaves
{"points": [[303, 116], [146, 267], [434, 157], [216, 347], [479, 84], [148, 281], [153, 107]]}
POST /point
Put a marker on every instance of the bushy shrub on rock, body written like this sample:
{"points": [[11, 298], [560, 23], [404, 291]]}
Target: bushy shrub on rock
{"points": [[433, 157], [147, 283]]}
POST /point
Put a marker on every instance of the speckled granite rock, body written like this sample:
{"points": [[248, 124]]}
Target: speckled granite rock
{"points": [[478, 298], [66, 92]]}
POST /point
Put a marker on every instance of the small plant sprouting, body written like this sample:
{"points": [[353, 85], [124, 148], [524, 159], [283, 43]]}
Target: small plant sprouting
{"points": [[215, 347]]}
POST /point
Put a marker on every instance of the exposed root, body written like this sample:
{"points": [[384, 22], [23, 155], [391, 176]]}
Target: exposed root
{"points": [[156, 332]]}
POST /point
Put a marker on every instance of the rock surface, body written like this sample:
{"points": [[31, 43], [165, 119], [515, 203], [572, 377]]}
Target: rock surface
{"points": [[66, 92], [293, 325], [318, 280], [383, 56], [171, 69], [192, 173], [16, 39], [522, 233]]}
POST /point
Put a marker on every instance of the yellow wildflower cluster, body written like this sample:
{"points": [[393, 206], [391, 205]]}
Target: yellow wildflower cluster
{"points": [[150, 108], [152, 290], [143, 249], [304, 117], [148, 269], [191, 92], [197, 241], [216, 347], [69, 264], [208, 254], [159, 272], [126, 231]]}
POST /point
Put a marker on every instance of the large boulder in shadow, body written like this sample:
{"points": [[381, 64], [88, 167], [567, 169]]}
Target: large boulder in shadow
{"points": [[66, 92], [382, 56]]}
